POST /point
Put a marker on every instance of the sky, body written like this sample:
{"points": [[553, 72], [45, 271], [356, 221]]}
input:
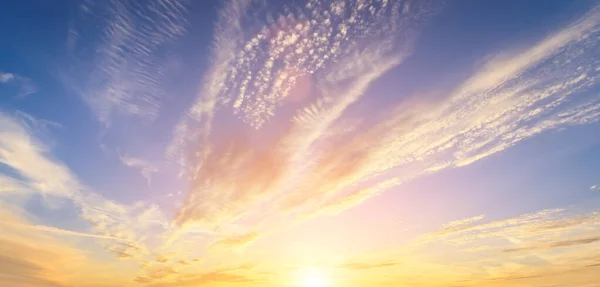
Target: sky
{"points": [[305, 143]]}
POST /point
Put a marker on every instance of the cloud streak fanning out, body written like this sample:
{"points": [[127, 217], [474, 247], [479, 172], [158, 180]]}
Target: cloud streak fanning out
{"points": [[299, 74], [317, 59], [281, 130]]}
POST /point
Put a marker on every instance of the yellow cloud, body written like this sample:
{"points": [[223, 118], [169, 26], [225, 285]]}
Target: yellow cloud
{"points": [[236, 241], [31, 257], [130, 228], [368, 265]]}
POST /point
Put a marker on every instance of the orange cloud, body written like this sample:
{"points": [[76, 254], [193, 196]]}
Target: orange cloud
{"points": [[236, 241], [32, 257], [368, 265]]}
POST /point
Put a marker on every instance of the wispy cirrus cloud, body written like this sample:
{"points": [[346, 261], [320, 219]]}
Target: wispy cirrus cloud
{"points": [[318, 59], [550, 245], [555, 222], [32, 170], [531, 247], [123, 69], [32, 255], [507, 101], [22, 86], [354, 197], [557, 244], [309, 164], [354, 265], [278, 131], [27, 156], [236, 241], [197, 123], [55, 230], [146, 168]]}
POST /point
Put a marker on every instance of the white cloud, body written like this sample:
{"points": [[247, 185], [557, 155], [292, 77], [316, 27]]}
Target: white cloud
{"points": [[504, 68], [23, 86], [146, 168], [197, 123], [125, 70], [12, 185], [6, 77], [32, 170], [509, 100], [355, 197], [27, 156], [595, 187], [55, 230]]}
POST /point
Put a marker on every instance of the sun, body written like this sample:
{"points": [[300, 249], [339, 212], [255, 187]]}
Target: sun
{"points": [[313, 277]]}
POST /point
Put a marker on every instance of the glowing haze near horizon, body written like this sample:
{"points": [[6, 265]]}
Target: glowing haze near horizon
{"points": [[307, 143]]}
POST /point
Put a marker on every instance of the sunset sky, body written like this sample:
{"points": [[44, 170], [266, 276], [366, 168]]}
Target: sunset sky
{"points": [[304, 143]]}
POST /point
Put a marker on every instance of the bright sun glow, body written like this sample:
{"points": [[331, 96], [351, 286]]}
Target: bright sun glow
{"points": [[313, 277]]}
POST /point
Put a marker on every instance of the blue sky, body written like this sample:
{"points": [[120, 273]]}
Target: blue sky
{"points": [[139, 129]]}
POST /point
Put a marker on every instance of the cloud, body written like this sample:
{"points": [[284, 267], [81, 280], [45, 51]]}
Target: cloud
{"points": [[140, 226], [368, 265], [594, 187], [11, 185], [556, 244], [21, 272], [547, 224], [27, 157], [31, 170], [212, 277], [552, 245], [30, 257], [236, 241], [520, 240], [574, 242], [37, 124], [503, 69], [22, 86], [6, 77], [146, 168], [198, 121], [120, 68], [309, 162], [456, 227], [160, 273], [355, 197], [318, 68], [168, 277], [57, 231], [268, 138], [503, 103]]}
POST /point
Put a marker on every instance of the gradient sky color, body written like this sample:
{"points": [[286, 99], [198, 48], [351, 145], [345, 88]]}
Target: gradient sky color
{"points": [[309, 143]]}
